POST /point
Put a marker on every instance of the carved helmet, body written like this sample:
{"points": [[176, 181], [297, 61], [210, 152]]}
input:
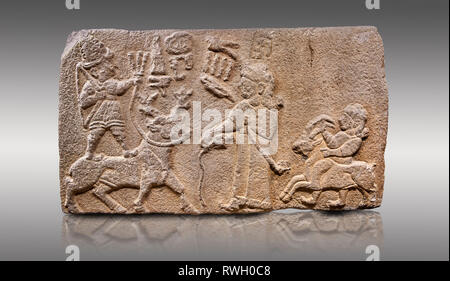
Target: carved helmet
{"points": [[93, 52]]}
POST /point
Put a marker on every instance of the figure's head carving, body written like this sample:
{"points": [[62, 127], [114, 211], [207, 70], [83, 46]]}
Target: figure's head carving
{"points": [[93, 52], [97, 59], [258, 83], [354, 118], [255, 79]]}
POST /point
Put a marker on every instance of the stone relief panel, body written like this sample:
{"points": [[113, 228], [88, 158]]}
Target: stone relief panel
{"points": [[222, 121]]}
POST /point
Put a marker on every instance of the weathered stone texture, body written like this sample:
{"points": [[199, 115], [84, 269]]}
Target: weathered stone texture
{"points": [[137, 109]]}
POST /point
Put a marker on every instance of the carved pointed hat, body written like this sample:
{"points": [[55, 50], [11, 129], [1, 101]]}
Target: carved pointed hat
{"points": [[93, 52]]}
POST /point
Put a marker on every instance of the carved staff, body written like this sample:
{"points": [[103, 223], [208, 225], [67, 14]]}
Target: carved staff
{"points": [[202, 175], [202, 168]]}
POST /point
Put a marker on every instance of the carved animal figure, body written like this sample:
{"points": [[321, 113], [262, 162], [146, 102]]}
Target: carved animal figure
{"points": [[148, 169]]}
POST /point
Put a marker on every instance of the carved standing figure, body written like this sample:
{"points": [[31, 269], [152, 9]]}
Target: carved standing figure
{"points": [[256, 86], [333, 168]]}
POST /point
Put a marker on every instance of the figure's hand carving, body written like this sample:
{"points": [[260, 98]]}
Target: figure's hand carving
{"points": [[326, 152], [281, 167]]}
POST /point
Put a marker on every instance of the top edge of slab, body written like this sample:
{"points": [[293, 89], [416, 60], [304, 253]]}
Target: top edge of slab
{"points": [[75, 36]]}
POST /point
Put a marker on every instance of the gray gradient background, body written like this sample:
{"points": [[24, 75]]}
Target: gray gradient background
{"points": [[415, 208]]}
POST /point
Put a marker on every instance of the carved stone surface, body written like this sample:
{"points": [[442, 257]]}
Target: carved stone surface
{"points": [[222, 121]]}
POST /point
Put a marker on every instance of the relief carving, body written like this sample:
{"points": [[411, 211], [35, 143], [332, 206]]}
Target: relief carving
{"points": [[256, 89], [220, 59], [332, 166], [144, 167], [179, 46], [157, 66], [199, 121], [100, 94]]}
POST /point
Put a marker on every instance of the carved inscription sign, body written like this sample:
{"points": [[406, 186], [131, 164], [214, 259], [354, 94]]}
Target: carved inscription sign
{"points": [[222, 121]]}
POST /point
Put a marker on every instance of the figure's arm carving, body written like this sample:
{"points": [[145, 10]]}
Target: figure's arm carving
{"points": [[349, 148], [123, 86], [331, 140]]}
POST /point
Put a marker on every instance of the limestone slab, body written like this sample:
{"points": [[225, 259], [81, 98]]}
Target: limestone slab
{"points": [[222, 121]]}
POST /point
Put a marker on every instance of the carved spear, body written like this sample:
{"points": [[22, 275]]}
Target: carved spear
{"points": [[202, 175]]}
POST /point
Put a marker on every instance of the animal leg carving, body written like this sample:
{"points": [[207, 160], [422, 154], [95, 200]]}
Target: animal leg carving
{"points": [[143, 193], [102, 190], [295, 183], [173, 183]]}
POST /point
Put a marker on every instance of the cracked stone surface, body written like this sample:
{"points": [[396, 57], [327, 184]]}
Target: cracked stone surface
{"points": [[222, 121]]}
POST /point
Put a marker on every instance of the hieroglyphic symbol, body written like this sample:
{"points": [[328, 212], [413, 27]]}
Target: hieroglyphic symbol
{"points": [[138, 61], [218, 65], [179, 43], [219, 61], [158, 77], [333, 167], [261, 45], [174, 65], [179, 47], [158, 122]]}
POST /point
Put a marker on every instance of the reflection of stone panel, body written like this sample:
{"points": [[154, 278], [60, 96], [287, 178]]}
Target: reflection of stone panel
{"points": [[170, 121], [297, 236]]}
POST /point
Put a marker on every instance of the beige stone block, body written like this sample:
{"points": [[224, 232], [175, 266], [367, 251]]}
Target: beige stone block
{"points": [[222, 121]]}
